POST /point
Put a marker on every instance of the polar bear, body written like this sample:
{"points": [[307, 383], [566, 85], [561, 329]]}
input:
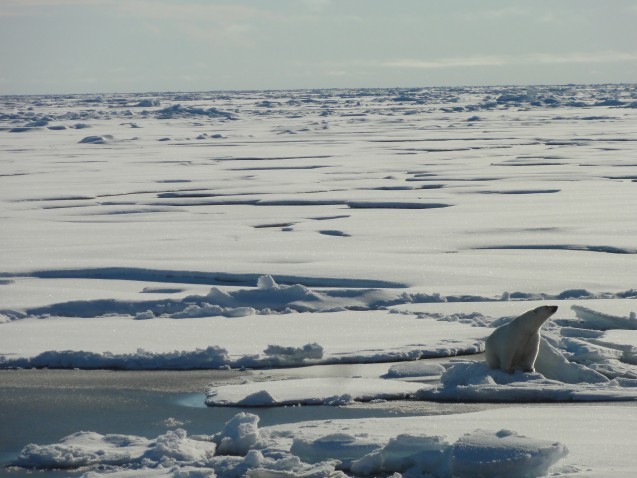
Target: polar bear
{"points": [[516, 344]]}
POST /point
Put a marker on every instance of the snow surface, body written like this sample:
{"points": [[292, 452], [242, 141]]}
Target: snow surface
{"points": [[309, 391], [550, 440], [479, 453], [330, 229]]}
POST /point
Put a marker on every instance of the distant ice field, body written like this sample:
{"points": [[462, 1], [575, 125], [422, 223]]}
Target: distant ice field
{"points": [[450, 191]]}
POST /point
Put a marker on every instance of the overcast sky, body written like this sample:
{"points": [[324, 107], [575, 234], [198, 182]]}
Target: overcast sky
{"points": [[92, 46]]}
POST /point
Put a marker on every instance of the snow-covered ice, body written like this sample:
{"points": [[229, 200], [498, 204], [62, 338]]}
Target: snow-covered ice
{"points": [[550, 439], [309, 391], [327, 229], [243, 448], [83, 449]]}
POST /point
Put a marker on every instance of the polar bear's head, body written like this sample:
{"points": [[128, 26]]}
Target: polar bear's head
{"points": [[534, 318], [545, 309]]}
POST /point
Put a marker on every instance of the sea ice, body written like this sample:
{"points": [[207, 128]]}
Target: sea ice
{"points": [[476, 382], [103, 139], [483, 454], [591, 319], [84, 449], [309, 391], [242, 449], [175, 447], [239, 435], [415, 220], [415, 454], [337, 446], [416, 369]]}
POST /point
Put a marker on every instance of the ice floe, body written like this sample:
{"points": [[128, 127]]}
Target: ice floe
{"points": [[84, 448], [271, 297], [241, 448], [309, 391], [475, 382], [119, 342], [503, 453]]}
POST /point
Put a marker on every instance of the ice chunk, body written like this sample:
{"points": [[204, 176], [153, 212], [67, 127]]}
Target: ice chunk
{"points": [[504, 453], [239, 312], [176, 447], [149, 314], [553, 365], [83, 449], [269, 295], [239, 435], [585, 352], [478, 454], [106, 138], [471, 373], [420, 368], [593, 319], [255, 465], [202, 310], [337, 446], [422, 454], [266, 282], [90, 448], [262, 398], [308, 351], [339, 400]]}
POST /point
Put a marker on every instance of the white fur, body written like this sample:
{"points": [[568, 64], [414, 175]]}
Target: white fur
{"points": [[516, 344]]}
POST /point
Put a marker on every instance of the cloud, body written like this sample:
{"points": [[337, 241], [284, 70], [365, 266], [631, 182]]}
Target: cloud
{"points": [[505, 12], [410, 63], [503, 60], [15, 8], [166, 10], [204, 22], [317, 6], [46, 3], [588, 57], [145, 9]]}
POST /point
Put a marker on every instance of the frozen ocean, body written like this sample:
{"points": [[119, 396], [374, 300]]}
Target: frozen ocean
{"points": [[301, 283]]}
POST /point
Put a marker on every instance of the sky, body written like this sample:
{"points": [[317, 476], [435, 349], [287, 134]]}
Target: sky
{"points": [[104, 46]]}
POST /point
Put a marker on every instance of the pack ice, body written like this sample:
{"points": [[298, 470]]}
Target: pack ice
{"points": [[241, 448], [373, 228]]}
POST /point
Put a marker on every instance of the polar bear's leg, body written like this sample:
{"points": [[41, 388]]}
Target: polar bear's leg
{"points": [[529, 354], [491, 357], [493, 348], [508, 362], [508, 358]]}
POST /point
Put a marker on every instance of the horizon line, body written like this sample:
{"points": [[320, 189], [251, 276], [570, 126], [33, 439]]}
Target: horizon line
{"points": [[254, 90]]}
